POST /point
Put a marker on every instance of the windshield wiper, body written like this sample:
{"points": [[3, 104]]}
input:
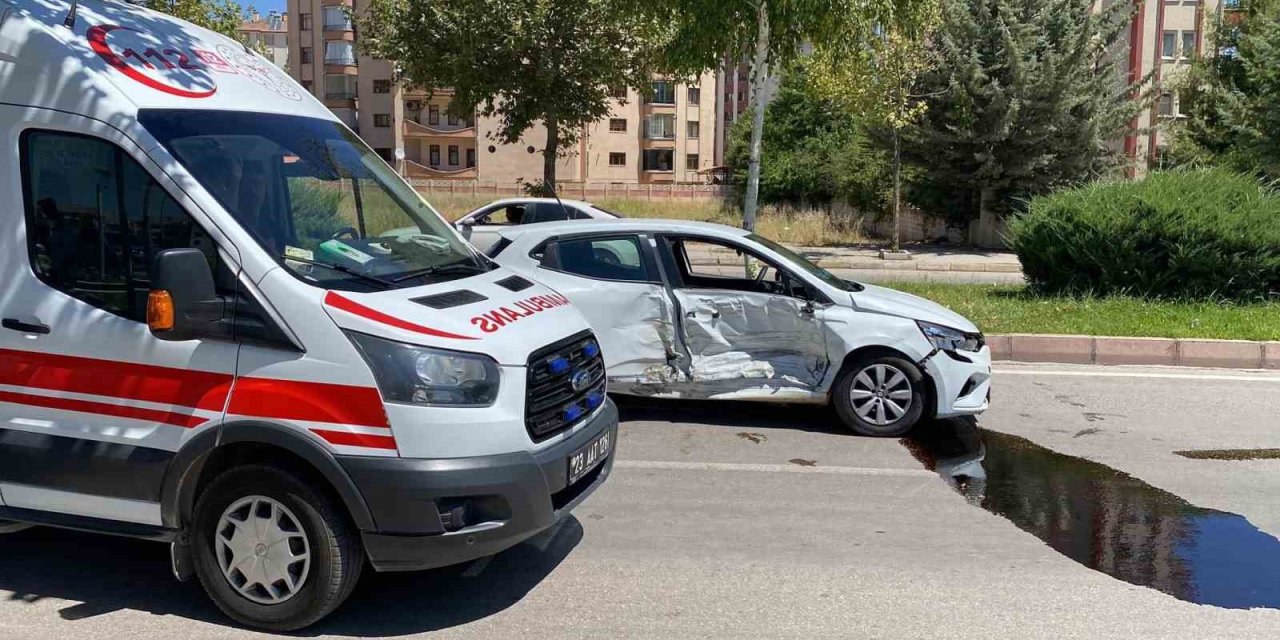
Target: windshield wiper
{"points": [[342, 269], [452, 267]]}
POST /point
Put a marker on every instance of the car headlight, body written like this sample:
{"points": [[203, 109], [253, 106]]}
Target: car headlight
{"points": [[421, 375], [948, 339]]}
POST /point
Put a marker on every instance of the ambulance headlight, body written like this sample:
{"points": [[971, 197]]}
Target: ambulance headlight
{"points": [[411, 374]]}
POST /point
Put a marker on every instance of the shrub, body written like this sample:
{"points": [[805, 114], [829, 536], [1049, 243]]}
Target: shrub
{"points": [[1176, 234], [315, 211]]}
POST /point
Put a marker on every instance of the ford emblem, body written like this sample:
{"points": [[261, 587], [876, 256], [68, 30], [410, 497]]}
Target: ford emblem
{"points": [[580, 380]]}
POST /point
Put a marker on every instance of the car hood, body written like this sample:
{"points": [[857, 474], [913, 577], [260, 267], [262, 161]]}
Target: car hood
{"points": [[481, 314], [896, 303]]}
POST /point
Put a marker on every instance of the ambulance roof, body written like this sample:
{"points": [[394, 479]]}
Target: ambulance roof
{"points": [[119, 58]]}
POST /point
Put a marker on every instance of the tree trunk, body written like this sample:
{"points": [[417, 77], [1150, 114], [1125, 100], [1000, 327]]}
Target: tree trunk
{"points": [[897, 191], [549, 155], [759, 81]]}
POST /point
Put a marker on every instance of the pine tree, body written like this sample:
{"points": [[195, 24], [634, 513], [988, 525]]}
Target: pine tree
{"points": [[1026, 96]]}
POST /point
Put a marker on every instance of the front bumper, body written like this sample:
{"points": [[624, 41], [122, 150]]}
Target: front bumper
{"points": [[507, 498], [961, 388]]}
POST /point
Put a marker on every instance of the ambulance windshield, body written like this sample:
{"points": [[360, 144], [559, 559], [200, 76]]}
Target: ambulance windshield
{"points": [[316, 198]]}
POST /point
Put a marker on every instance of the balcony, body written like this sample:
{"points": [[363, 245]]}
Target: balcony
{"points": [[416, 170], [415, 130]]}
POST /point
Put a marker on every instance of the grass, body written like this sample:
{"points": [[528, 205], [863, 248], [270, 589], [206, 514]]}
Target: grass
{"points": [[808, 227], [1012, 309]]}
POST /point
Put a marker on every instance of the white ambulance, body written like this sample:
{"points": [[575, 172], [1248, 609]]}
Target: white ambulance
{"points": [[228, 325]]}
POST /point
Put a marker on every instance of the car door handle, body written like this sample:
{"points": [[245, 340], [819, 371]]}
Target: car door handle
{"points": [[714, 315], [25, 327]]}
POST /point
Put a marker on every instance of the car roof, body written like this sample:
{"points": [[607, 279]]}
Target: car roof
{"points": [[566, 201], [620, 225]]}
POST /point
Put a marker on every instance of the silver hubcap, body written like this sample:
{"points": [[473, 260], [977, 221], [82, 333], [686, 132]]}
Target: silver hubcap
{"points": [[262, 550], [881, 394]]}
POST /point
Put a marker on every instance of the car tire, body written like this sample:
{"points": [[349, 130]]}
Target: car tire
{"points": [[302, 520], [870, 405]]}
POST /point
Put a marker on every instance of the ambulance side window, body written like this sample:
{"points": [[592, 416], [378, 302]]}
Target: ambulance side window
{"points": [[96, 218]]}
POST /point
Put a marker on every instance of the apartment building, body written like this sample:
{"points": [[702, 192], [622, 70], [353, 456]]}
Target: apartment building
{"points": [[1163, 38], [268, 34], [671, 137]]}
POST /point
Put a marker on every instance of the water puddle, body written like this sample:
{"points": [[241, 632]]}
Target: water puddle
{"points": [[1230, 454], [1107, 520]]}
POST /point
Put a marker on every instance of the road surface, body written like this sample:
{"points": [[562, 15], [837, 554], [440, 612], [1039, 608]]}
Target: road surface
{"points": [[733, 521]]}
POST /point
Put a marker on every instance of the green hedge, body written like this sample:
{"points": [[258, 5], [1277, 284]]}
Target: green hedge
{"points": [[1178, 234]]}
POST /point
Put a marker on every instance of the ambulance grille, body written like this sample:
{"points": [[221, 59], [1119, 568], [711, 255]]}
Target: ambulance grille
{"points": [[450, 299], [554, 403], [514, 283]]}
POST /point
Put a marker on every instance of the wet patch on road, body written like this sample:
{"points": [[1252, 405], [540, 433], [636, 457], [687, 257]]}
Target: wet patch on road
{"points": [[1230, 454], [803, 462], [1104, 519], [754, 437]]}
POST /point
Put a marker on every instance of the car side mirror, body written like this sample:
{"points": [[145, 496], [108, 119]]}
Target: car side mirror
{"points": [[183, 303]]}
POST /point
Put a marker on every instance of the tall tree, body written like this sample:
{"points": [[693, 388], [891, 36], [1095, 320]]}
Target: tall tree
{"points": [[1026, 96], [223, 16], [1230, 95], [877, 82], [770, 34], [525, 62]]}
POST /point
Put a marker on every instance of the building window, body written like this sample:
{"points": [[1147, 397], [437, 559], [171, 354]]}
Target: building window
{"points": [[382, 86], [659, 160], [693, 129], [695, 95], [453, 155], [620, 93], [306, 55], [433, 156], [664, 92], [1169, 45], [660, 126], [433, 114], [339, 86], [618, 125], [386, 154], [304, 21], [339, 52], [1166, 105], [381, 119], [471, 158], [617, 159], [336, 19], [1188, 44], [691, 162], [307, 84]]}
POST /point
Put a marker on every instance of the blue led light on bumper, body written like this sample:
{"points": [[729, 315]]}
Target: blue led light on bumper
{"points": [[590, 349], [558, 365], [594, 399], [573, 412]]}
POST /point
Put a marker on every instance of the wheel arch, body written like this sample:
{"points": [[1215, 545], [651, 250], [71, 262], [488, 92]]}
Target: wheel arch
{"points": [[220, 448]]}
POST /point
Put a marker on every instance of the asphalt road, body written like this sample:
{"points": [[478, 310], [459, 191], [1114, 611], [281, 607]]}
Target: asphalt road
{"points": [[734, 521]]}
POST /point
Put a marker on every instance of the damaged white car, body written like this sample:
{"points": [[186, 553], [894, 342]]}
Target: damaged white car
{"points": [[694, 310]]}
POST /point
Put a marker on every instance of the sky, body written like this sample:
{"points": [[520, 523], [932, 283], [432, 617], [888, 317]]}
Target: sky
{"points": [[264, 6]]}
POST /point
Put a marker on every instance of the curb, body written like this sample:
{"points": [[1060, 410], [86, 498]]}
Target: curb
{"points": [[876, 264], [1178, 352]]}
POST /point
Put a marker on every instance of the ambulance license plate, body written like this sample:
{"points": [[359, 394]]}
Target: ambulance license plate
{"points": [[588, 457]]}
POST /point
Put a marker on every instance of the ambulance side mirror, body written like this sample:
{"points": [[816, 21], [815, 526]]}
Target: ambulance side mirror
{"points": [[183, 304]]}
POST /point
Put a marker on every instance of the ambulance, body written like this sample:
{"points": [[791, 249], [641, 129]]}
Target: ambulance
{"points": [[230, 326]]}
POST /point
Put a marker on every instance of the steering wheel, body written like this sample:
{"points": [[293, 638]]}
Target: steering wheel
{"points": [[350, 232]]}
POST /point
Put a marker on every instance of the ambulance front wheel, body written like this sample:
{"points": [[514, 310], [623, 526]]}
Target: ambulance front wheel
{"points": [[271, 550]]}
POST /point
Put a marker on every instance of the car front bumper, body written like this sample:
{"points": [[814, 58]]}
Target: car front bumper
{"points": [[961, 388], [436, 512]]}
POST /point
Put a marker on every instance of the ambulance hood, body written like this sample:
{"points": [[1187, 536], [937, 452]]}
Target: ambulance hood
{"points": [[119, 58], [500, 315]]}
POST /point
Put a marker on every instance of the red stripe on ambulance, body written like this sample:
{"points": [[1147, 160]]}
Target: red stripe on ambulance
{"points": [[346, 439], [336, 301], [309, 401], [102, 409], [147, 383], [502, 316]]}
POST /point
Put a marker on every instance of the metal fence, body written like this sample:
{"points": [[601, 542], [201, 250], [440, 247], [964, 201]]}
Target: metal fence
{"points": [[579, 190]]}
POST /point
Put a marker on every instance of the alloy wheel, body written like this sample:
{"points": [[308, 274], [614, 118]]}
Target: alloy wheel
{"points": [[881, 394]]}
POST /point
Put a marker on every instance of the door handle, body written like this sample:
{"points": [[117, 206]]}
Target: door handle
{"points": [[691, 314], [18, 325]]}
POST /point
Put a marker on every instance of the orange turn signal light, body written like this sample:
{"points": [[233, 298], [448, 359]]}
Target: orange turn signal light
{"points": [[160, 310]]}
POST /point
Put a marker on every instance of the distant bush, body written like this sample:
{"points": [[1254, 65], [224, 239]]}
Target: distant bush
{"points": [[1176, 234], [315, 211]]}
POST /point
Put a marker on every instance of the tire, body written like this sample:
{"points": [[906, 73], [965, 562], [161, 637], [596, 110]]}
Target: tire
{"points": [[334, 557], [863, 415]]}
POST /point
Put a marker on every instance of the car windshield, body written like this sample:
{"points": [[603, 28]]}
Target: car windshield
{"points": [[803, 262], [316, 197]]}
